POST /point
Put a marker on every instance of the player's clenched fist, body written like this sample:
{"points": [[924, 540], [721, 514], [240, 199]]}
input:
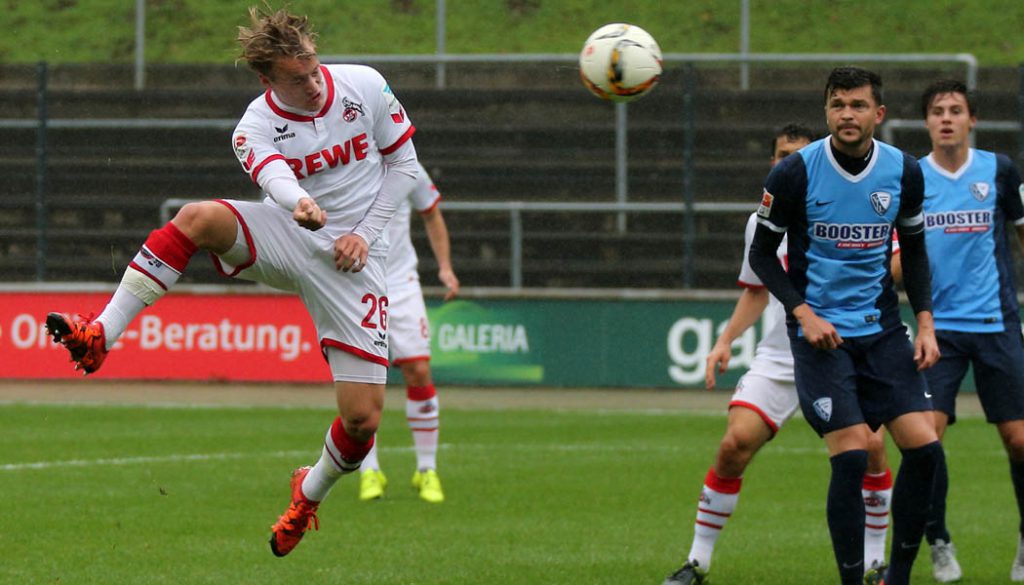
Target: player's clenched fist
{"points": [[309, 215], [350, 252]]}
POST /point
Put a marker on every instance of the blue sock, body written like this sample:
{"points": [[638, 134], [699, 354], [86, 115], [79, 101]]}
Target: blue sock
{"points": [[911, 500], [936, 529], [1017, 475], [845, 510]]}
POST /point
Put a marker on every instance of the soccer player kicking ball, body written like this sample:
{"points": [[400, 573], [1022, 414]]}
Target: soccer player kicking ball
{"points": [[409, 333], [972, 198], [331, 148], [764, 400], [855, 368]]}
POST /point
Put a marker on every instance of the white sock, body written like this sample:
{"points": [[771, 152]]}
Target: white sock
{"points": [[423, 419], [718, 499], [119, 312], [370, 462], [876, 519], [321, 478]]}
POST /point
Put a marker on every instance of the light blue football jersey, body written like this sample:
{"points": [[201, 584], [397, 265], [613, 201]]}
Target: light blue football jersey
{"points": [[840, 228], [966, 214]]}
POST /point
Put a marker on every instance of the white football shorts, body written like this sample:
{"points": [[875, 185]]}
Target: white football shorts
{"points": [[408, 327], [773, 400], [349, 309]]}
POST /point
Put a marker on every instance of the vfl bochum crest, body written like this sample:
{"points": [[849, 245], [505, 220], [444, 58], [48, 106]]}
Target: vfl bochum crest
{"points": [[979, 190], [880, 201], [823, 408]]}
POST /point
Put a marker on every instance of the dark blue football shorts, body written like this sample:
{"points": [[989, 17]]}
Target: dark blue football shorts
{"points": [[998, 361], [868, 379]]}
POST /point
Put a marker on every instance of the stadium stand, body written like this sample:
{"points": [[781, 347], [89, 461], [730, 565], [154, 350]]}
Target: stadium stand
{"points": [[496, 133]]}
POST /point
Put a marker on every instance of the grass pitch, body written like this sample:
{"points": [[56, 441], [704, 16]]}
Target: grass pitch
{"points": [[145, 494]]}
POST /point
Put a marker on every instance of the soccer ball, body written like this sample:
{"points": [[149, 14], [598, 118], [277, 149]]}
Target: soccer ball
{"points": [[620, 62]]}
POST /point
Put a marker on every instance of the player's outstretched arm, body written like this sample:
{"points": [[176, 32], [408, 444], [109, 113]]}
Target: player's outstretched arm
{"points": [[440, 244], [748, 310]]}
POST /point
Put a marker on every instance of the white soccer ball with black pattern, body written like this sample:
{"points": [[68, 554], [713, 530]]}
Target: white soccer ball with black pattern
{"points": [[620, 62]]}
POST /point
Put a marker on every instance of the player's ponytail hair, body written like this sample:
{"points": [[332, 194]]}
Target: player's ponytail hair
{"points": [[275, 34]]}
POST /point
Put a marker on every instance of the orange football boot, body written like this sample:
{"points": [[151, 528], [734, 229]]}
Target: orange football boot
{"points": [[82, 336], [299, 516]]}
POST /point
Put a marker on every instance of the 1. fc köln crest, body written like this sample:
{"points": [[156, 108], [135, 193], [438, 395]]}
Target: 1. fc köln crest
{"points": [[979, 190], [880, 201]]}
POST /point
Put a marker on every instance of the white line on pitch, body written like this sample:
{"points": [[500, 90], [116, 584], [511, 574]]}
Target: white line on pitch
{"points": [[176, 458]]}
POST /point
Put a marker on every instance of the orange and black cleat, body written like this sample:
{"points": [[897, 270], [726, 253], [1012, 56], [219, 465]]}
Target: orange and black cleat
{"points": [[83, 338], [300, 515]]}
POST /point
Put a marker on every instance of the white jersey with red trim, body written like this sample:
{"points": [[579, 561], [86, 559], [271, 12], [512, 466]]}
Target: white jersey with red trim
{"points": [[402, 259], [337, 153], [773, 358]]}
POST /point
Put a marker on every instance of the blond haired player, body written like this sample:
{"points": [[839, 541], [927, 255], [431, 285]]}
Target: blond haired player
{"points": [[410, 338], [331, 148], [765, 398]]}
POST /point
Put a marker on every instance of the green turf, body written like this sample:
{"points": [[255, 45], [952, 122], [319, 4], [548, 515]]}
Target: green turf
{"points": [[559, 497], [185, 31]]}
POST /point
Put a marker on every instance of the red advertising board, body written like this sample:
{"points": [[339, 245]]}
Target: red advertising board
{"points": [[231, 337]]}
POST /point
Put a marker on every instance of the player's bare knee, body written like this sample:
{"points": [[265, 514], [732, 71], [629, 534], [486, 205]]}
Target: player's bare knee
{"points": [[361, 426], [739, 445], [210, 225], [416, 373]]}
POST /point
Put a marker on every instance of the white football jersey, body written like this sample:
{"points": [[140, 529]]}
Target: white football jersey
{"points": [[337, 153], [402, 259], [773, 357]]}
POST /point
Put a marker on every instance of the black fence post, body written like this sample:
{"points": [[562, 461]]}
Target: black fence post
{"points": [[1020, 115], [689, 131], [42, 75]]}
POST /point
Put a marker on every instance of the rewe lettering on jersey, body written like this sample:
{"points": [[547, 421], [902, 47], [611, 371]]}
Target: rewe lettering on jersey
{"points": [[354, 148]]}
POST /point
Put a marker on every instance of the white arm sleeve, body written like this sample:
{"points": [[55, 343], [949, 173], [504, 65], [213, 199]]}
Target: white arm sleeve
{"points": [[285, 190], [400, 179]]}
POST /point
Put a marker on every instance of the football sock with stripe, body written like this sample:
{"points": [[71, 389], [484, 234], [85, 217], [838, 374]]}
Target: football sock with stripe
{"points": [[876, 490], [718, 499], [153, 270], [422, 412], [342, 454]]}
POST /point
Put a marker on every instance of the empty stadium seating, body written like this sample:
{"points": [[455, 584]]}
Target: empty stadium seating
{"points": [[496, 133]]}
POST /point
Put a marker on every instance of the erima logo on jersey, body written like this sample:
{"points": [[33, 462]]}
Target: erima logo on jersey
{"points": [[765, 210], [852, 235], [880, 202], [957, 222], [823, 408], [283, 133]]}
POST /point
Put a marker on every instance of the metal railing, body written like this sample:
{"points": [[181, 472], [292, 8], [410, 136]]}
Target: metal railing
{"points": [[43, 122], [515, 211], [890, 126], [969, 61]]}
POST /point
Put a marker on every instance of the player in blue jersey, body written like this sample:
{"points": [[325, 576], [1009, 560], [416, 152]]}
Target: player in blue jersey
{"points": [[972, 198], [838, 200], [764, 400]]}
